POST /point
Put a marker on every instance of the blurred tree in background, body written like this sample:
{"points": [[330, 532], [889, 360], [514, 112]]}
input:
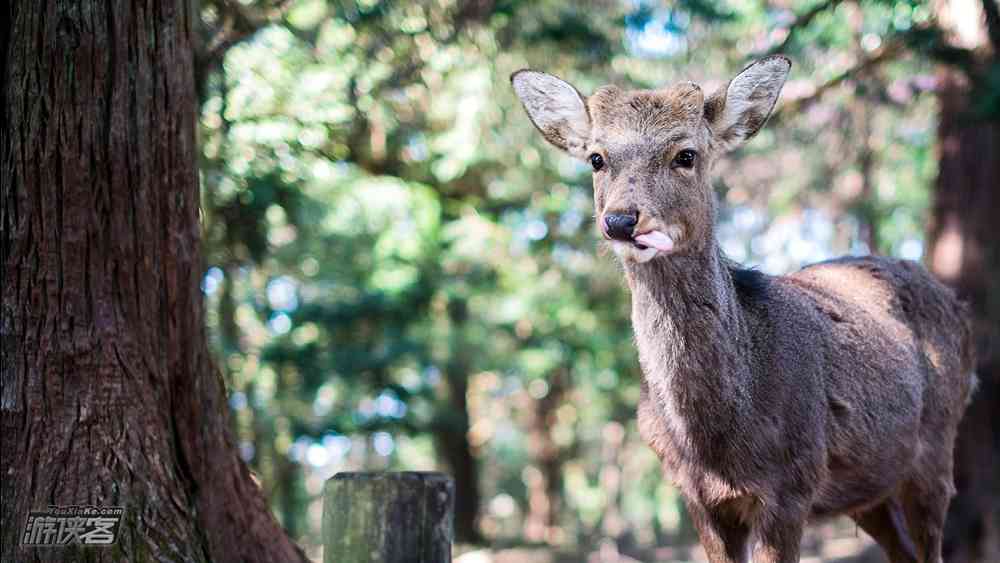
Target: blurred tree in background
{"points": [[399, 275]]}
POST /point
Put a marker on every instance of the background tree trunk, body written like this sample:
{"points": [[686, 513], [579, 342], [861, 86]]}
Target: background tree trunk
{"points": [[545, 480], [964, 251], [109, 394], [452, 432]]}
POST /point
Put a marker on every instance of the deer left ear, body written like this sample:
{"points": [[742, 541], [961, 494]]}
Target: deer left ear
{"points": [[738, 111], [556, 108]]}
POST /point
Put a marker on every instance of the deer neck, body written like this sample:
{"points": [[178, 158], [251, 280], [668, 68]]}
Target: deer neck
{"points": [[691, 333]]}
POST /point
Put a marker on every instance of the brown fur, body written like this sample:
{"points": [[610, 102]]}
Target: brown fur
{"points": [[775, 400]]}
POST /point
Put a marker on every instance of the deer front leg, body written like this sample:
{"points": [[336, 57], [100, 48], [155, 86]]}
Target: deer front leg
{"points": [[725, 539], [779, 541]]}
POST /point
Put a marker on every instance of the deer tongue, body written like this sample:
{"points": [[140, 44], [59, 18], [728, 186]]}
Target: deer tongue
{"points": [[657, 240]]}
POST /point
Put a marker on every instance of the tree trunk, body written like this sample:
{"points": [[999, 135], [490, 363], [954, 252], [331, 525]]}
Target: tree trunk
{"points": [[452, 432], [545, 481], [109, 395], [453, 442], [964, 251]]}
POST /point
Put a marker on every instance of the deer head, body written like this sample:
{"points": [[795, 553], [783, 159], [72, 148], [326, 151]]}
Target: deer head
{"points": [[652, 150]]}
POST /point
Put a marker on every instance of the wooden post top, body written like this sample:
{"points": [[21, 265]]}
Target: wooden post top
{"points": [[388, 517]]}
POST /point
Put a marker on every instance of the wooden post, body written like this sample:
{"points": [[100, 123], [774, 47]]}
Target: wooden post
{"points": [[388, 518]]}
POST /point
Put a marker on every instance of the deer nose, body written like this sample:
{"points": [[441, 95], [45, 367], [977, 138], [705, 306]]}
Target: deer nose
{"points": [[620, 225]]}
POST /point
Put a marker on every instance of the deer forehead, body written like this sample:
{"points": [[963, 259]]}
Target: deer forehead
{"points": [[668, 114]]}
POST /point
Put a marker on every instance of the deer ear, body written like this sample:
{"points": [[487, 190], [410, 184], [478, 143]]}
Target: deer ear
{"points": [[556, 108], [738, 111]]}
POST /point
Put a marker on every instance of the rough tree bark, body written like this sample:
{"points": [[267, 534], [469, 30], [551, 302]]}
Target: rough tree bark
{"points": [[964, 251], [109, 395]]}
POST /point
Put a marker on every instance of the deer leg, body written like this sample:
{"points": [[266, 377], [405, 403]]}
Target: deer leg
{"points": [[725, 539], [886, 524], [780, 540], [925, 503]]}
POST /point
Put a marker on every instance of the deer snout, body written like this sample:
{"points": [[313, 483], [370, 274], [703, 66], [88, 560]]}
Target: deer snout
{"points": [[620, 226]]}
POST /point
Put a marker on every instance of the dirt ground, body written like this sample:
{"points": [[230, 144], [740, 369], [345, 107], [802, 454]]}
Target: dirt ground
{"points": [[832, 542]]}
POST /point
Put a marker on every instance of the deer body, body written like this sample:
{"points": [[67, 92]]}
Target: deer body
{"points": [[760, 416], [770, 400]]}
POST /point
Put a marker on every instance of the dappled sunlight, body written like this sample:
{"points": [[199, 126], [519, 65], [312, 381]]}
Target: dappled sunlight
{"points": [[947, 257]]}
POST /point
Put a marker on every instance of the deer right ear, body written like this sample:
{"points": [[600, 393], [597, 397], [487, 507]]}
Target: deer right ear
{"points": [[738, 111], [556, 108]]}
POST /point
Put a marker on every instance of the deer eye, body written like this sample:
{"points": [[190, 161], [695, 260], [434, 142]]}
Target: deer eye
{"points": [[684, 159], [597, 161]]}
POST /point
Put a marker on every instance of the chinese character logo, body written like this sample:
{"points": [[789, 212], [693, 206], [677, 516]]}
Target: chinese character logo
{"points": [[73, 525]]}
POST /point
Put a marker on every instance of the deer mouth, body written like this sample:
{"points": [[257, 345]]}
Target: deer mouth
{"points": [[661, 241], [648, 244]]}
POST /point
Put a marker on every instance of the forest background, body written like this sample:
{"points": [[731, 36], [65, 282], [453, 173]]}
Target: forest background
{"points": [[396, 273], [402, 276]]}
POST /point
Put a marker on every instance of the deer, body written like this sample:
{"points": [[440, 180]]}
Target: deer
{"points": [[771, 401]]}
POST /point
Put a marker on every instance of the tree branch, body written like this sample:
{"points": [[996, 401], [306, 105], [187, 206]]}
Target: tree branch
{"points": [[887, 52], [237, 23], [802, 20]]}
